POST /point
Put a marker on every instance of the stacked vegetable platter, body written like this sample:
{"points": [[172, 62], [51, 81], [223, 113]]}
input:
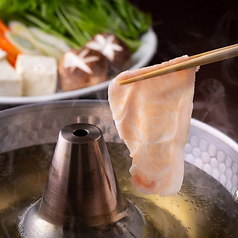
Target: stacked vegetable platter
{"points": [[51, 51]]}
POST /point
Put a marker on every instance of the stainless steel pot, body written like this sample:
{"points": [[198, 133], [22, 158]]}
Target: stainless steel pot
{"points": [[207, 148]]}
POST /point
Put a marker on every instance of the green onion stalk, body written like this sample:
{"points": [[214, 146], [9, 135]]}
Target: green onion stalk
{"points": [[76, 21]]}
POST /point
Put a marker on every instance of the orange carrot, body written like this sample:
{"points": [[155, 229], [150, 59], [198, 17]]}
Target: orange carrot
{"points": [[5, 45]]}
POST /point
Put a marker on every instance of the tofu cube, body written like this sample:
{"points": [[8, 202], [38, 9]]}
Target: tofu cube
{"points": [[39, 74], [10, 81]]}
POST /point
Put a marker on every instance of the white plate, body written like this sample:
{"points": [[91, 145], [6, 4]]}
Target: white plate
{"points": [[140, 58]]}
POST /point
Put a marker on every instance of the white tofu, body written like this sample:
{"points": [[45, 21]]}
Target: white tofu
{"points": [[39, 74], [10, 81]]}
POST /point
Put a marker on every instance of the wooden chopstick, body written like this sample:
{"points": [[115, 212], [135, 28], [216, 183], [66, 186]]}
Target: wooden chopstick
{"points": [[193, 61]]}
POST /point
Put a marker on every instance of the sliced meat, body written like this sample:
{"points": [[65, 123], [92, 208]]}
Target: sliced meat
{"points": [[153, 118]]}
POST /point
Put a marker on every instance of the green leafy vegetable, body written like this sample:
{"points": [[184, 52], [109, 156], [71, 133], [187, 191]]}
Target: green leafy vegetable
{"points": [[76, 21]]}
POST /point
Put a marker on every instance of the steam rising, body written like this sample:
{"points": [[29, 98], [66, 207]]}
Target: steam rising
{"points": [[217, 105], [213, 105]]}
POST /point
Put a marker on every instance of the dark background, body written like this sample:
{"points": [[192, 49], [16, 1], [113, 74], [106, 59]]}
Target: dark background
{"points": [[192, 27]]}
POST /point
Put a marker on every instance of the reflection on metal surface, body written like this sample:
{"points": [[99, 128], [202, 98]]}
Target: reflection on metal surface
{"points": [[33, 225], [236, 195], [81, 196]]}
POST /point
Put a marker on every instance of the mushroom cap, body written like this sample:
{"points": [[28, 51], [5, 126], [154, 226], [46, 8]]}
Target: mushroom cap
{"points": [[116, 51], [82, 68]]}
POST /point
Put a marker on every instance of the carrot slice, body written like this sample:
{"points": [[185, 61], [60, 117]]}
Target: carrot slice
{"points": [[12, 51]]}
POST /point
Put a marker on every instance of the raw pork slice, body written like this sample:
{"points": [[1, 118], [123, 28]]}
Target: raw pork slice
{"points": [[153, 117]]}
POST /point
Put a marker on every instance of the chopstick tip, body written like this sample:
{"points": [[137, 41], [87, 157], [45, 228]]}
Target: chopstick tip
{"points": [[121, 83]]}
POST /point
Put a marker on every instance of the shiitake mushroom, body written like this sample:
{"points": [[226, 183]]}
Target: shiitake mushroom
{"points": [[82, 68], [115, 50], [103, 57]]}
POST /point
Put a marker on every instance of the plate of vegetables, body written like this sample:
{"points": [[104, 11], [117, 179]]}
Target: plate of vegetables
{"points": [[52, 51]]}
